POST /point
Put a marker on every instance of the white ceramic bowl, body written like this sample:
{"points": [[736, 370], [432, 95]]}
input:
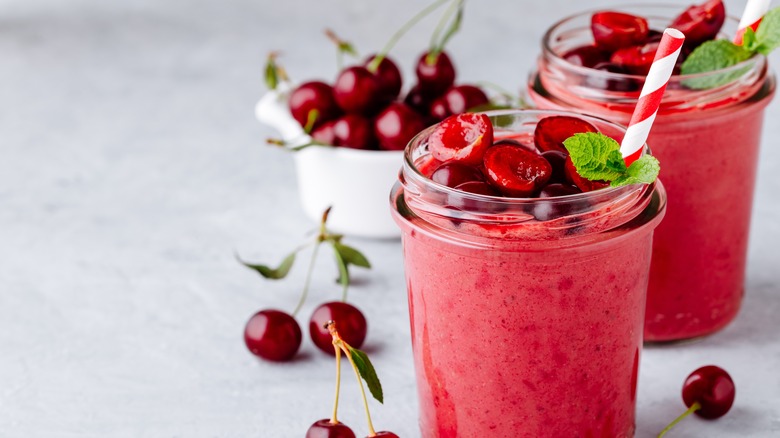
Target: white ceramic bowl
{"points": [[356, 183]]}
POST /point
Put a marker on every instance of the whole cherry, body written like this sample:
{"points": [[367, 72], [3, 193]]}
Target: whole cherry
{"points": [[352, 325], [273, 335], [388, 75], [383, 434], [707, 392], [353, 131], [357, 90], [326, 429], [396, 125], [435, 72], [458, 99], [313, 96]]}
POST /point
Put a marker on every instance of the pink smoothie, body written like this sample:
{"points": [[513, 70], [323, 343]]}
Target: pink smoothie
{"points": [[707, 142], [523, 328]]}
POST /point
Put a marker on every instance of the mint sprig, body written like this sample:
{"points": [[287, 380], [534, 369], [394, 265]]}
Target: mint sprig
{"points": [[597, 158], [719, 54]]}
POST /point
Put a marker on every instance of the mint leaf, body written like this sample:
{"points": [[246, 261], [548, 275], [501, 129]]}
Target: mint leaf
{"points": [[272, 273], [594, 155], [710, 56], [351, 255], [367, 372], [642, 171], [768, 33], [749, 40]]}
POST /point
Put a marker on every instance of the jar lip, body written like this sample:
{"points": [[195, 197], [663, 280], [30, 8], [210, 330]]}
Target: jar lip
{"points": [[548, 51]]}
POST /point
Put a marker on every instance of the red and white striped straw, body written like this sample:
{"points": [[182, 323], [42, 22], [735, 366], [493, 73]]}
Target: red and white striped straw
{"points": [[650, 97], [754, 12]]}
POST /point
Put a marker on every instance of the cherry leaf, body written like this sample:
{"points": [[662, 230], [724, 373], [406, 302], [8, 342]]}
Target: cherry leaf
{"points": [[272, 273], [368, 373], [351, 255]]}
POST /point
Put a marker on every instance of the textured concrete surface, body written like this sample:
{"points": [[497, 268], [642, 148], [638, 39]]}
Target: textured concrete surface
{"points": [[131, 169]]}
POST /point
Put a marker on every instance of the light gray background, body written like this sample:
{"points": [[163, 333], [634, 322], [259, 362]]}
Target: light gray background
{"points": [[131, 168]]}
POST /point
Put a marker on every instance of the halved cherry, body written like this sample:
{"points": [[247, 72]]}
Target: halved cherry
{"points": [[515, 170], [453, 174], [583, 184], [700, 23], [615, 30], [478, 187], [462, 137], [458, 99], [586, 56], [635, 59], [557, 160], [547, 210], [550, 132], [426, 165]]}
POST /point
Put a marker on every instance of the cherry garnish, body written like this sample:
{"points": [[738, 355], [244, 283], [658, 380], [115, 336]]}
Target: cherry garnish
{"points": [[317, 96], [712, 388], [586, 56], [388, 75], [515, 170], [352, 131], [458, 99], [396, 125], [700, 23], [357, 90], [435, 73], [478, 187], [557, 160], [583, 184], [352, 325], [615, 30], [550, 132], [453, 174], [462, 137], [273, 335], [545, 211], [635, 59], [325, 429]]}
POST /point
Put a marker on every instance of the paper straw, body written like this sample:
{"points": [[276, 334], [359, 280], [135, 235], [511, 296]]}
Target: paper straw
{"points": [[754, 12], [650, 97]]}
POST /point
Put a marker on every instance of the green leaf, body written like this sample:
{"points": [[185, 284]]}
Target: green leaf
{"points": [[343, 270], [351, 255], [594, 155], [367, 372], [272, 273], [749, 40], [710, 56], [642, 171], [768, 33], [271, 73]]}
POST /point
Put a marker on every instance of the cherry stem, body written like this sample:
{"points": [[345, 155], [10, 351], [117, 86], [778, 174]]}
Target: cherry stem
{"points": [[311, 119], [333, 417], [341, 47], [694, 407], [374, 64], [308, 279]]}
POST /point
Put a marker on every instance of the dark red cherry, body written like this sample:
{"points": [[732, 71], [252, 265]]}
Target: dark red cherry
{"points": [[635, 59], [700, 23], [272, 335], [385, 434], [324, 134], [478, 187], [357, 90], [550, 132], [615, 30], [396, 125], [313, 96], [557, 160], [713, 388], [418, 101], [552, 209], [353, 131], [614, 83], [435, 73], [453, 174], [586, 56], [583, 184], [462, 137], [389, 76], [515, 171], [458, 99], [351, 323], [325, 429]]}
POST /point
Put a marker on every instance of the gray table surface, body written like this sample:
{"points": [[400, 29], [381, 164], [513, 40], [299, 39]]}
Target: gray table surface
{"points": [[131, 169]]}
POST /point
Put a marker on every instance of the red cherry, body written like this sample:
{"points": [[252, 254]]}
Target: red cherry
{"points": [[438, 75], [313, 96], [458, 99], [463, 137], [427, 165], [453, 174], [615, 30], [353, 131], [324, 134], [713, 388], [550, 132], [418, 100], [586, 56], [396, 125], [272, 335], [700, 23], [351, 323], [635, 59], [621, 84], [545, 211], [357, 90], [388, 75], [325, 429], [557, 160], [385, 434], [583, 184], [516, 171], [478, 187]]}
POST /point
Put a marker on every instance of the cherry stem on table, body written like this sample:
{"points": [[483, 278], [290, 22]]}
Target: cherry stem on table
{"points": [[333, 418], [305, 292], [371, 431], [694, 407]]}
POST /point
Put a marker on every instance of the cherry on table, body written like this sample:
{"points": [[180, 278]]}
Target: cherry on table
{"points": [[384, 434], [273, 335], [310, 96], [583, 184], [515, 170], [615, 30], [551, 131], [388, 75], [462, 137], [458, 99], [351, 322], [713, 388], [453, 174], [635, 59], [325, 429], [357, 90], [586, 56], [396, 125], [700, 23], [435, 73]]}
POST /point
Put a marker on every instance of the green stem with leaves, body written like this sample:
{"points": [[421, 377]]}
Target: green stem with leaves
{"points": [[694, 407]]}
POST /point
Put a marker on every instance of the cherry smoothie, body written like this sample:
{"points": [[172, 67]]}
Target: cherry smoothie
{"points": [[707, 141], [526, 312]]}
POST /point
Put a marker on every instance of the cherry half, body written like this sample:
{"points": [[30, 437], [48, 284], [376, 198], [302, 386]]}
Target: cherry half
{"points": [[708, 392], [583, 184], [615, 30], [317, 96], [396, 125], [586, 56], [435, 73], [453, 174], [550, 132], [352, 325], [516, 171], [462, 137], [273, 335], [635, 59], [325, 429], [700, 23], [357, 90]]}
